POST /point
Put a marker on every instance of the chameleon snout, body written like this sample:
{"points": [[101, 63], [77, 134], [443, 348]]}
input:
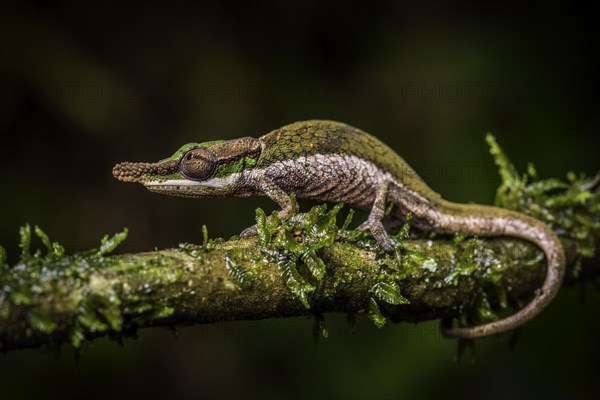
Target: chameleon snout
{"points": [[144, 172], [132, 172]]}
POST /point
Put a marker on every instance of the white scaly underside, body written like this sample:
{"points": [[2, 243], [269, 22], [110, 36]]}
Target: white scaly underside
{"points": [[330, 177], [213, 183]]}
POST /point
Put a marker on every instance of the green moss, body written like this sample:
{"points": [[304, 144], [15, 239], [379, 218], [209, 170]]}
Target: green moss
{"points": [[25, 241], [238, 273], [107, 244], [320, 329], [314, 263], [571, 207], [198, 251], [375, 314], [3, 258], [205, 240], [98, 302], [193, 250], [295, 243], [41, 323], [387, 287], [389, 292], [266, 227]]}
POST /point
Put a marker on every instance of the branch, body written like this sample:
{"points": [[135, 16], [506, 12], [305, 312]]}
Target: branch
{"points": [[118, 294], [307, 265]]}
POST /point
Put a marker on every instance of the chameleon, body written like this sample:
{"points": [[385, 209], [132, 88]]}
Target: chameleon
{"points": [[335, 162]]}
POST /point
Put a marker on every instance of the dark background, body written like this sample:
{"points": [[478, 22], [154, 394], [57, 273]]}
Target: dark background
{"points": [[85, 86]]}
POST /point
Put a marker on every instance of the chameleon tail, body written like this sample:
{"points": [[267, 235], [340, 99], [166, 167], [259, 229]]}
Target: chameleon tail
{"points": [[521, 226]]}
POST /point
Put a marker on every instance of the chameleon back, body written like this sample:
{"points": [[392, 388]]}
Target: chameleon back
{"points": [[308, 138]]}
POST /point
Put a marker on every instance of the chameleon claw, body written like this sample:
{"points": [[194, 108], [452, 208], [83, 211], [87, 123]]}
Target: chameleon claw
{"points": [[249, 232], [378, 231]]}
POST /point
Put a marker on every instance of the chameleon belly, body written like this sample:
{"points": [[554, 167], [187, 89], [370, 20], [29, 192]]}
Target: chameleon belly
{"points": [[336, 178]]}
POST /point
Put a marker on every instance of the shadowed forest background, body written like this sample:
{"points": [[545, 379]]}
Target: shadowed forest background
{"points": [[84, 86]]}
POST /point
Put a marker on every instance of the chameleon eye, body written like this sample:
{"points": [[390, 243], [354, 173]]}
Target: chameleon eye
{"points": [[198, 164]]}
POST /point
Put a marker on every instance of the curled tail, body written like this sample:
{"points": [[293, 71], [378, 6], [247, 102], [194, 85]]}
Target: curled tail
{"points": [[493, 221]]}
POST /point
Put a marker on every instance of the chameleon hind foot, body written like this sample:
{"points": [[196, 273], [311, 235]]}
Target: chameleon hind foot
{"points": [[374, 222], [379, 233]]}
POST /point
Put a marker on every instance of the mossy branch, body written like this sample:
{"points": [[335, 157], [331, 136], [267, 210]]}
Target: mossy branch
{"points": [[307, 265]]}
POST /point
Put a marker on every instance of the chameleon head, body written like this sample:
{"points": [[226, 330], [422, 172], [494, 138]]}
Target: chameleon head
{"points": [[209, 169]]}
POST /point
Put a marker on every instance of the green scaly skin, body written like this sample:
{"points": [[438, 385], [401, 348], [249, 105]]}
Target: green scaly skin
{"points": [[332, 161]]}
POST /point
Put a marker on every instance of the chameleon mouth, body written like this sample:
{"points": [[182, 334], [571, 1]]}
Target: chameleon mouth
{"points": [[188, 184], [144, 172], [213, 187], [173, 183], [174, 188]]}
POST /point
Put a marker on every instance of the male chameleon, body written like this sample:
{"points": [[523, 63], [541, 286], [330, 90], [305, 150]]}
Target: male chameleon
{"points": [[332, 161]]}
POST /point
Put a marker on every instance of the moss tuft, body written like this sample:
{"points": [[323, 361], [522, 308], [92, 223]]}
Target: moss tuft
{"points": [[47, 284], [571, 207], [296, 243]]}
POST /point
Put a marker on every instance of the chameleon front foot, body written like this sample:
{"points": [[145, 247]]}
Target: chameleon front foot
{"points": [[249, 232]]}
